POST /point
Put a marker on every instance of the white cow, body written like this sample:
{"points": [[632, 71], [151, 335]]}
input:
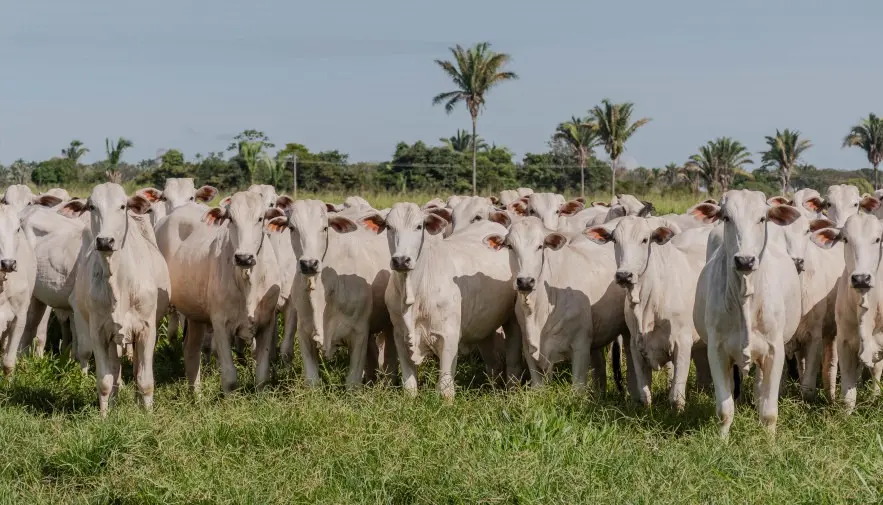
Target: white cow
{"points": [[445, 294], [842, 201], [474, 209], [859, 313], [17, 276], [551, 208], [567, 307], [225, 274], [18, 196], [177, 192], [339, 285], [121, 291], [747, 300], [659, 276]]}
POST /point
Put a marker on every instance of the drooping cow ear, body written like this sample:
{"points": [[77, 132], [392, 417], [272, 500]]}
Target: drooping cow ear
{"points": [[710, 200], [869, 203], [782, 215], [47, 200], [646, 210], [225, 202], [598, 234], [151, 194], [662, 235], [285, 203], [581, 200], [73, 208], [342, 224], [815, 204], [600, 204], [819, 224], [778, 200], [374, 222], [705, 212], [554, 241], [273, 213], [138, 204], [216, 216], [519, 208], [443, 213], [434, 223], [206, 193], [495, 242], [826, 237], [494, 200], [277, 224], [500, 218], [330, 207], [570, 208]]}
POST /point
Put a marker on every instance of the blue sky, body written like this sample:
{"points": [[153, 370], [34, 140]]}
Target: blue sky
{"points": [[358, 75]]}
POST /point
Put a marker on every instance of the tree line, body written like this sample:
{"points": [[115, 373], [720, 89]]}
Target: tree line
{"points": [[465, 162]]}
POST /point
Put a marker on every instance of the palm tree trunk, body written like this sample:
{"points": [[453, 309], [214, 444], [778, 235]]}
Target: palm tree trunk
{"points": [[582, 172], [876, 176], [784, 179], [474, 143], [612, 177]]}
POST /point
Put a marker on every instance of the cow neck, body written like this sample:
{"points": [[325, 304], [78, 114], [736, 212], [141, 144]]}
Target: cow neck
{"points": [[536, 308], [421, 269], [315, 291], [531, 300], [641, 296]]}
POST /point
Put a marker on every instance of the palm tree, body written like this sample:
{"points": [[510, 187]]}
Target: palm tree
{"points": [[869, 136], [250, 152], [75, 151], [474, 71], [784, 152], [613, 123], [462, 142], [20, 171], [274, 167], [581, 137], [673, 174], [718, 161], [114, 153]]}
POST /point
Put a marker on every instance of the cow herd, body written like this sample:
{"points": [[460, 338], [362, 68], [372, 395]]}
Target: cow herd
{"points": [[527, 279]]}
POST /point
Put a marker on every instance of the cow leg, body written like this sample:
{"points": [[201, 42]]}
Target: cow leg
{"points": [[488, 351], [224, 353], [82, 342], [172, 326], [582, 356], [14, 329], [144, 348], [850, 372], [390, 355], [643, 379], [66, 325], [265, 340], [310, 356], [773, 367], [599, 369], [703, 373], [809, 377], [616, 362], [290, 320], [447, 367], [721, 366], [678, 392], [875, 378], [537, 377], [514, 365], [358, 356], [409, 369], [631, 376], [829, 368], [107, 365], [38, 346], [192, 359], [33, 322]]}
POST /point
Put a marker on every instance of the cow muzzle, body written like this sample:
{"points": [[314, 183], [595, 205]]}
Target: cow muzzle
{"points": [[401, 263], [7, 266], [104, 244], [308, 266], [861, 281], [624, 278], [799, 265], [244, 260], [525, 284], [745, 264]]}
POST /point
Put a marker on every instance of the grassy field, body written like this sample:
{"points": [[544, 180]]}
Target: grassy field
{"points": [[293, 445]]}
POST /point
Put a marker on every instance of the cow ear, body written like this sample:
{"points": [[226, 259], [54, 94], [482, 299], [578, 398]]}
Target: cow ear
{"points": [[819, 224], [782, 215], [500, 218], [273, 213], [495, 242], [600, 204], [277, 224], [138, 204], [570, 208], [442, 213], [598, 234], [815, 204], [705, 212], [342, 224], [710, 200], [330, 207], [225, 202], [73, 208], [47, 200], [826, 237], [581, 200], [374, 222], [206, 193], [646, 210], [494, 200], [285, 203], [216, 215], [662, 235], [434, 223], [554, 241], [151, 194], [869, 203], [778, 200], [519, 208]]}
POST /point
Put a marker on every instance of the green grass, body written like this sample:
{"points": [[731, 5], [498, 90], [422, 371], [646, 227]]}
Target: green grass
{"points": [[294, 445]]}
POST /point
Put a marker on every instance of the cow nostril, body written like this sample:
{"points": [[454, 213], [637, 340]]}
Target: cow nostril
{"points": [[798, 263], [244, 260], [525, 283], [401, 262], [861, 281], [8, 266], [104, 243], [624, 277], [744, 263], [309, 266]]}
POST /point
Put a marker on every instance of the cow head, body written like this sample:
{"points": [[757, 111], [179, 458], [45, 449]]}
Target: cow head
{"points": [[473, 209], [177, 192], [797, 234], [548, 207], [527, 242], [407, 227], [311, 225], [248, 219], [843, 201], [267, 192], [10, 234], [746, 215], [633, 238], [18, 196], [109, 210]]}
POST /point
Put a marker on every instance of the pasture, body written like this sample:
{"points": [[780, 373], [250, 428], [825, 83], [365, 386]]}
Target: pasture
{"points": [[290, 444]]}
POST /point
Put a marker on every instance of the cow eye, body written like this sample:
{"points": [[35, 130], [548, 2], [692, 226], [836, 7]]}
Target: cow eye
{"points": [[260, 219], [476, 218], [419, 227], [725, 219], [557, 212], [192, 198], [539, 247], [763, 219], [325, 228], [90, 207], [164, 199], [877, 241], [644, 241], [856, 205]]}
